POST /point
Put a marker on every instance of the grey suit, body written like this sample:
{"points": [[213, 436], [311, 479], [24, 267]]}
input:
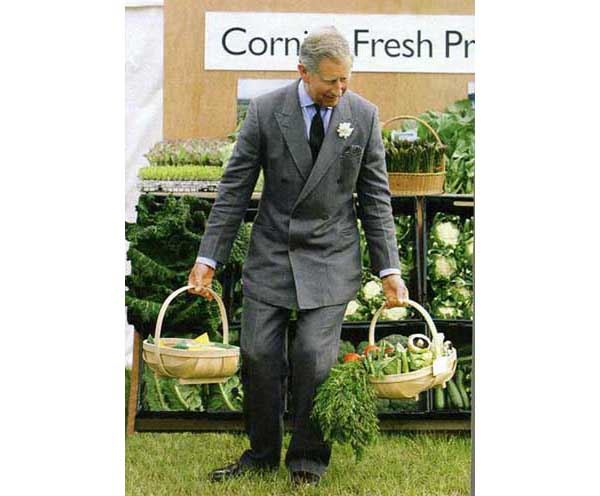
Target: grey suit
{"points": [[304, 251]]}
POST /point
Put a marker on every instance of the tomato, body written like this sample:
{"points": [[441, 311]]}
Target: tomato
{"points": [[351, 357], [370, 348], [389, 350]]}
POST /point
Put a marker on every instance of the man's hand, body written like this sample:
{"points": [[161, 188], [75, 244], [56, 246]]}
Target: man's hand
{"points": [[395, 291], [201, 278]]}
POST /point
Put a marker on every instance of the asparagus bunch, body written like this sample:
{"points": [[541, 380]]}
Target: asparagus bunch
{"points": [[412, 156]]}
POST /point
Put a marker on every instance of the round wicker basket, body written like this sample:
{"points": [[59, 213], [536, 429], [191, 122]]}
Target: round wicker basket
{"points": [[409, 385], [208, 363], [417, 183]]}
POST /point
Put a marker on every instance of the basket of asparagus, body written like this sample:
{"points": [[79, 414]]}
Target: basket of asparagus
{"points": [[415, 166], [398, 371], [189, 360]]}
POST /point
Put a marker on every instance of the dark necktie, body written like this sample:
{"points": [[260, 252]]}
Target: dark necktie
{"points": [[317, 133]]}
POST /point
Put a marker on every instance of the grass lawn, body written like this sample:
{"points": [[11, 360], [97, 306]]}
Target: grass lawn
{"points": [[423, 464], [399, 464]]}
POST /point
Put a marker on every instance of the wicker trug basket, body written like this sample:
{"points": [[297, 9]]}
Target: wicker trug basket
{"points": [[409, 385], [208, 363], [417, 183]]}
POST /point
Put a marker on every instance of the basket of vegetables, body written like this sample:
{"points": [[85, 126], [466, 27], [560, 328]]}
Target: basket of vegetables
{"points": [[414, 167], [188, 360], [403, 371], [397, 368]]}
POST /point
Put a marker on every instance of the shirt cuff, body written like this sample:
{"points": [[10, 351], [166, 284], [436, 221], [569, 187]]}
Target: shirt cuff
{"points": [[207, 261], [387, 272]]}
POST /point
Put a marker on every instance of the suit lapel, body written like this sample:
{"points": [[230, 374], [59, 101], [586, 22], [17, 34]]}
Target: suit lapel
{"points": [[330, 149], [291, 124]]}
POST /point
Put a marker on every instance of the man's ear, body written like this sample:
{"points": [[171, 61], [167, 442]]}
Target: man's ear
{"points": [[303, 72]]}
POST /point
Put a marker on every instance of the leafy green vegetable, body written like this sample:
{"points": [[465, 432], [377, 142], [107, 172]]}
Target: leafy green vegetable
{"points": [[181, 173], [345, 408], [456, 128], [163, 245], [420, 360], [383, 405], [167, 394], [226, 397], [188, 152]]}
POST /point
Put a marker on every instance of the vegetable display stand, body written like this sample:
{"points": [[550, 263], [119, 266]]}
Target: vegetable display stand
{"points": [[447, 245], [143, 417], [418, 183], [410, 384], [188, 361]]}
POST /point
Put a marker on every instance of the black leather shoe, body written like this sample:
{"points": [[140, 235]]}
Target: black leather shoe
{"points": [[237, 469], [301, 478], [229, 472]]}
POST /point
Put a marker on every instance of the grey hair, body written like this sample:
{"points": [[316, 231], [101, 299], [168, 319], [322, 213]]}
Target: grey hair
{"points": [[326, 42]]}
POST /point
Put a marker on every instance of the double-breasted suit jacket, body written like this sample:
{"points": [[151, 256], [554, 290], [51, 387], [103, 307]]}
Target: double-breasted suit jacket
{"points": [[304, 249]]}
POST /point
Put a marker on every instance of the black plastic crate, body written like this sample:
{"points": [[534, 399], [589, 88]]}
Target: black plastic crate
{"points": [[461, 205]]}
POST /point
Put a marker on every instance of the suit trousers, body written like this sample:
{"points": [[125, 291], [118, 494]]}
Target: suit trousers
{"points": [[264, 374]]}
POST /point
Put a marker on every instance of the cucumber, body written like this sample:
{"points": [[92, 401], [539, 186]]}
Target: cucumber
{"points": [[460, 376], [455, 399], [439, 402]]}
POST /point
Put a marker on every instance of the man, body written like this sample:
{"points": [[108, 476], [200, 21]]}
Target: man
{"points": [[317, 143]]}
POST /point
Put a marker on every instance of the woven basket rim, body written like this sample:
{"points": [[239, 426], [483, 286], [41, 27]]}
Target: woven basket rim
{"points": [[418, 174], [234, 351]]}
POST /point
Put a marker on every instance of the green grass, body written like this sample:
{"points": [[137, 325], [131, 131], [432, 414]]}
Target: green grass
{"points": [[407, 464], [414, 464]]}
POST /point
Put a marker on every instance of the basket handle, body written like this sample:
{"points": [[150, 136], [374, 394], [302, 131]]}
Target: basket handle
{"points": [[412, 117], [171, 297], [413, 304]]}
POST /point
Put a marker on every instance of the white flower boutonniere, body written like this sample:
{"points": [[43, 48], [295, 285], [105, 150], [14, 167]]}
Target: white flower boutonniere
{"points": [[344, 130]]}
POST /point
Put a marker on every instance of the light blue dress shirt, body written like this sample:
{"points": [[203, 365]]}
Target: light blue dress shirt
{"points": [[308, 112]]}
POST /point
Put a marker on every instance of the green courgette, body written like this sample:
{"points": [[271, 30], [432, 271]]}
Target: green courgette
{"points": [[455, 398], [460, 376], [439, 402]]}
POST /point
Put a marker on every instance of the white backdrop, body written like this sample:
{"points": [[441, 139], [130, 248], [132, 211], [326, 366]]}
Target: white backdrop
{"points": [[144, 103]]}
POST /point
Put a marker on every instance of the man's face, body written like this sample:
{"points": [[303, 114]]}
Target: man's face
{"points": [[328, 84]]}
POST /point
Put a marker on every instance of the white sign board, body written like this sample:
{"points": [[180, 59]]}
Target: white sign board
{"points": [[267, 41]]}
